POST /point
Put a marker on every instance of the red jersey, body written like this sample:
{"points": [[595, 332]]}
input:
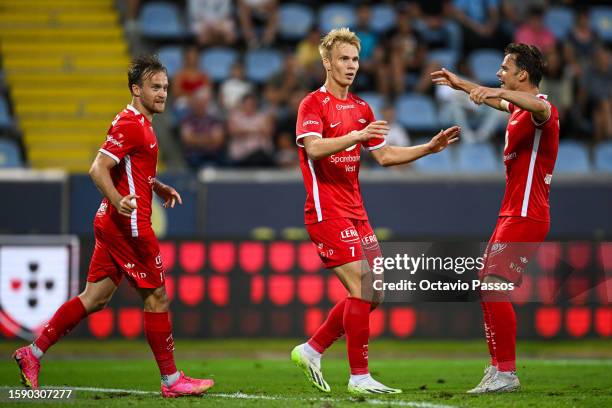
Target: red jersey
{"points": [[131, 142], [529, 157], [332, 183]]}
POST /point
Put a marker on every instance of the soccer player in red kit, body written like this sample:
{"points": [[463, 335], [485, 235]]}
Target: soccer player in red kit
{"points": [[124, 171], [332, 126], [530, 152]]}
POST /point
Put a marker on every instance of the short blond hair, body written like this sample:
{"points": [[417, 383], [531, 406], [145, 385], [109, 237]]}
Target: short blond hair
{"points": [[336, 36]]}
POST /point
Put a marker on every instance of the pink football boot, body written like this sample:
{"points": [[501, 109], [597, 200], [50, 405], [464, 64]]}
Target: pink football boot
{"points": [[28, 365], [185, 386]]}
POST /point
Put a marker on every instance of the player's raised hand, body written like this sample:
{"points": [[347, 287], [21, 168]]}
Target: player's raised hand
{"points": [[168, 194], [445, 77], [127, 204], [378, 129], [480, 93], [443, 139]]}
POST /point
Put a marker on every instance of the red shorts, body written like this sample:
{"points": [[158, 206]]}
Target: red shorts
{"points": [[138, 258], [343, 240], [513, 243]]}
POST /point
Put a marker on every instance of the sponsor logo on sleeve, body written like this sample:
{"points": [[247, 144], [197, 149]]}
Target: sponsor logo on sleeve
{"points": [[111, 139], [309, 122]]}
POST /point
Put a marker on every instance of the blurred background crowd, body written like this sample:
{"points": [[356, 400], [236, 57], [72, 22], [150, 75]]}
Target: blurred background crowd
{"points": [[239, 68]]}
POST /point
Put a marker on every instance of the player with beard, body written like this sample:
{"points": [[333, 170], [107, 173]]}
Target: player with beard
{"points": [[124, 171]]}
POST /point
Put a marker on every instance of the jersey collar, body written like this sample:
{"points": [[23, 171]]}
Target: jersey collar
{"points": [[136, 112]]}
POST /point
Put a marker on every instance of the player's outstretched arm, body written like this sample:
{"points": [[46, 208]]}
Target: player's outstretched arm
{"points": [[539, 108], [395, 155], [100, 174], [167, 193], [446, 77], [318, 148]]}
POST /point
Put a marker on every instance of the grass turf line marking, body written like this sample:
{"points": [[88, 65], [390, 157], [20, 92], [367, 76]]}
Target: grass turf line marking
{"points": [[240, 395]]}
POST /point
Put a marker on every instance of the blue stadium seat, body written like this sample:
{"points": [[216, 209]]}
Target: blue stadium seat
{"points": [[376, 102], [295, 21], [172, 57], [436, 163], [161, 20], [261, 64], [603, 157], [9, 154], [336, 15], [477, 158], [383, 18], [6, 121], [416, 112], [445, 57], [601, 21], [573, 157], [559, 20], [217, 62], [484, 64]]}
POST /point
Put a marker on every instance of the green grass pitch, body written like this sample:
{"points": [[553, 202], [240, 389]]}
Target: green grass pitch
{"points": [[258, 373]]}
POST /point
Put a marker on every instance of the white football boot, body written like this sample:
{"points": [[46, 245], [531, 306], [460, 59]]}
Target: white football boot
{"points": [[489, 373], [503, 381], [370, 386], [311, 368]]}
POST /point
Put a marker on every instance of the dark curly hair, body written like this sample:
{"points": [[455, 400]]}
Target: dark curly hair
{"points": [[143, 67], [528, 58]]}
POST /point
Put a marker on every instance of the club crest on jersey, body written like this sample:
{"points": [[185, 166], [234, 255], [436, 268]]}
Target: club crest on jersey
{"points": [[326, 100], [349, 235]]}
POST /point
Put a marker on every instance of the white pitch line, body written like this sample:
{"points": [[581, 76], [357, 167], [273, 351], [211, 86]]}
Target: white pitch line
{"points": [[240, 395]]}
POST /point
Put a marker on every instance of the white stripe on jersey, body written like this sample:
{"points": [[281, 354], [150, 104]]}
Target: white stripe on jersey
{"points": [[315, 192], [109, 154], [133, 216], [534, 155], [303, 135]]}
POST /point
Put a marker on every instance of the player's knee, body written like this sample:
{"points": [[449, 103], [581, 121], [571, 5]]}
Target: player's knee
{"points": [[158, 301], [94, 304]]}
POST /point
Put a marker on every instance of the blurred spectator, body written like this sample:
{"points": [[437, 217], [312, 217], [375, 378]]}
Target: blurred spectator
{"points": [[557, 84], [535, 32], [202, 133], [286, 151], [280, 87], [478, 122], [371, 66], [233, 89], [581, 42], [309, 59], [188, 80], [211, 21], [516, 12], [258, 21], [436, 29], [131, 9], [479, 20], [397, 136], [596, 95], [408, 58], [250, 135]]}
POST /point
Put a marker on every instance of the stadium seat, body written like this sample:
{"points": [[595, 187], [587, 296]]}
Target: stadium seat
{"points": [[484, 64], [172, 57], [217, 62], [6, 121], [161, 20], [436, 163], [559, 20], [261, 64], [445, 57], [295, 21], [416, 112], [9, 154], [336, 15], [477, 158], [383, 18], [601, 21], [603, 157], [376, 102], [573, 157]]}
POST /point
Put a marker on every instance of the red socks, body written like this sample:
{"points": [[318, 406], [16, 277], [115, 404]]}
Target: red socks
{"points": [[331, 329], [357, 327], [158, 331], [502, 334], [488, 327], [63, 321]]}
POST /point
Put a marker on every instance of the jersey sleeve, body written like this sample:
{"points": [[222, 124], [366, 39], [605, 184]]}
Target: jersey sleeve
{"points": [[508, 106], [122, 139], [550, 114], [309, 120], [376, 142]]}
